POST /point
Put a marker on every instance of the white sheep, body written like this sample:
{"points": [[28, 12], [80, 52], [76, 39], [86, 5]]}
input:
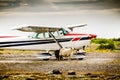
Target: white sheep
{"points": [[66, 52]]}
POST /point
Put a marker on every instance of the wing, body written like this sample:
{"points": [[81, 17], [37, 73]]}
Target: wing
{"points": [[41, 29], [38, 29], [71, 28]]}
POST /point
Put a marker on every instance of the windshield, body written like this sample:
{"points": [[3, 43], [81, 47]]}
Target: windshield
{"points": [[64, 31]]}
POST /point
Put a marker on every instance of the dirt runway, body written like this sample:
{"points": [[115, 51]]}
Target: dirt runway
{"points": [[95, 66], [92, 63]]}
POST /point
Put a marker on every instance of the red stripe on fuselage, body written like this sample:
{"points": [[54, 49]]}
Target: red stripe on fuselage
{"points": [[75, 39], [81, 35], [71, 34], [8, 36]]}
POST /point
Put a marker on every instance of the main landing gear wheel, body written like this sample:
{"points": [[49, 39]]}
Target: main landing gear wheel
{"points": [[44, 56], [80, 55], [58, 57]]}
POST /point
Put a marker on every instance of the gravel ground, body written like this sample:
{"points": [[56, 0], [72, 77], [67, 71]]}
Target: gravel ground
{"points": [[94, 63]]}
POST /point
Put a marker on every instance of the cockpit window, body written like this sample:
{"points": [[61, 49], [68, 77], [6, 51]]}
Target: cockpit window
{"points": [[37, 35], [63, 31], [57, 33]]}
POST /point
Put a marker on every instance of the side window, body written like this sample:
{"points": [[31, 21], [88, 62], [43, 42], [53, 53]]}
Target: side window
{"points": [[47, 35], [55, 33], [40, 35], [33, 35], [37, 35]]}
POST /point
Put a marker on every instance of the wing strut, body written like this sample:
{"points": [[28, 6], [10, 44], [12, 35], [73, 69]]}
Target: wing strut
{"points": [[55, 40]]}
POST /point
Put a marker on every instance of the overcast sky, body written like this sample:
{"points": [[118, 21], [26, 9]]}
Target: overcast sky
{"points": [[101, 16]]}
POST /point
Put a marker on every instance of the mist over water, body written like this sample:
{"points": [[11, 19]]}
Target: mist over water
{"points": [[101, 16]]}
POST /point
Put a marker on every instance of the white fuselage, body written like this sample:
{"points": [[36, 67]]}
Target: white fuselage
{"points": [[76, 41]]}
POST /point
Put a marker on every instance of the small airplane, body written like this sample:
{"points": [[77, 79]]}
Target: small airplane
{"points": [[47, 38]]}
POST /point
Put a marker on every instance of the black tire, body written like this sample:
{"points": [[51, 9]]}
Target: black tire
{"points": [[46, 59], [57, 54], [80, 58]]}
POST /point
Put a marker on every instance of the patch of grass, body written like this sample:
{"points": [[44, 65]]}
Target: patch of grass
{"points": [[117, 44], [88, 76], [104, 45], [93, 48]]}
